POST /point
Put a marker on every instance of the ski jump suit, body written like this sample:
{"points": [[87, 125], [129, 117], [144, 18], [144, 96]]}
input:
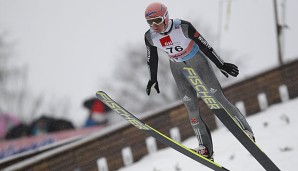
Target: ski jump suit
{"points": [[186, 46]]}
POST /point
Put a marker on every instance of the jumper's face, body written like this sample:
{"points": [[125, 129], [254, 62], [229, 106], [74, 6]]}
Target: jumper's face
{"points": [[158, 27]]}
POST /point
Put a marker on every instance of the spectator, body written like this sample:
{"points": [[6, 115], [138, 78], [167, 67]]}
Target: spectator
{"points": [[45, 125], [40, 126], [7, 122], [59, 125], [97, 112], [18, 131]]}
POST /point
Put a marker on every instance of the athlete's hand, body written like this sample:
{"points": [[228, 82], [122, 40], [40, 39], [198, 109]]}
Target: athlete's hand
{"points": [[229, 69], [150, 84]]}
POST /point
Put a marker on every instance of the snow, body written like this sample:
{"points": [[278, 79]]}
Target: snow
{"points": [[276, 134]]}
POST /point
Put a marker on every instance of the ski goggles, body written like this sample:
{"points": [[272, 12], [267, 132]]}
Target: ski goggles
{"points": [[157, 20]]}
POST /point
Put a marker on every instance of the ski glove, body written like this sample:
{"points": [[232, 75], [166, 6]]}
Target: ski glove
{"points": [[150, 84], [229, 68]]}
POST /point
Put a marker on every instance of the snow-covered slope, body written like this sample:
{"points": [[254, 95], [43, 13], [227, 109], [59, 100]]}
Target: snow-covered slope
{"points": [[276, 132]]}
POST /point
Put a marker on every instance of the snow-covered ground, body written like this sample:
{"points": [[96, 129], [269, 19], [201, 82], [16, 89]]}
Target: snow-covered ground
{"points": [[276, 132]]}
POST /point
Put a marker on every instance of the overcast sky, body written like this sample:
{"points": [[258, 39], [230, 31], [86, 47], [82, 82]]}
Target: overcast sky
{"points": [[72, 46]]}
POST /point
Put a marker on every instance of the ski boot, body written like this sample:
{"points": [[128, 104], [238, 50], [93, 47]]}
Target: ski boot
{"points": [[250, 134], [202, 150]]}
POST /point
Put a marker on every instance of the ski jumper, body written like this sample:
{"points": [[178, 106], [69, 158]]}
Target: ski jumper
{"points": [[186, 46]]}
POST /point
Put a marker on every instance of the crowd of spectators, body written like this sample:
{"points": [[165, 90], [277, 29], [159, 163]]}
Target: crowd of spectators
{"points": [[11, 127]]}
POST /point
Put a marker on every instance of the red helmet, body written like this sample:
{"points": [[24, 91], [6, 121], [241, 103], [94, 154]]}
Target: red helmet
{"points": [[156, 13]]}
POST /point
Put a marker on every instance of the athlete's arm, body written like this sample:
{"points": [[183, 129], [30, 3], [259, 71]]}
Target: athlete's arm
{"points": [[225, 68], [152, 60], [203, 44]]}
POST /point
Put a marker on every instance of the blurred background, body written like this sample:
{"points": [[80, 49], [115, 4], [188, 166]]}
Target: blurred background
{"points": [[55, 54]]}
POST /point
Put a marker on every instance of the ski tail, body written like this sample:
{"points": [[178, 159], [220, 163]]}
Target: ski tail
{"points": [[156, 134], [227, 119]]}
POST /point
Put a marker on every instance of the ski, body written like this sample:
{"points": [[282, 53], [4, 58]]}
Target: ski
{"points": [[156, 134], [227, 119]]}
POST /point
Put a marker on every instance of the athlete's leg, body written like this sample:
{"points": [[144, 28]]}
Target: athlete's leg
{"points": [[190, 100], [205, 71]]}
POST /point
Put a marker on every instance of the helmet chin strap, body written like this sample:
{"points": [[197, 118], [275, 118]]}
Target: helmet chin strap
{"points": [[166, 29]]}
